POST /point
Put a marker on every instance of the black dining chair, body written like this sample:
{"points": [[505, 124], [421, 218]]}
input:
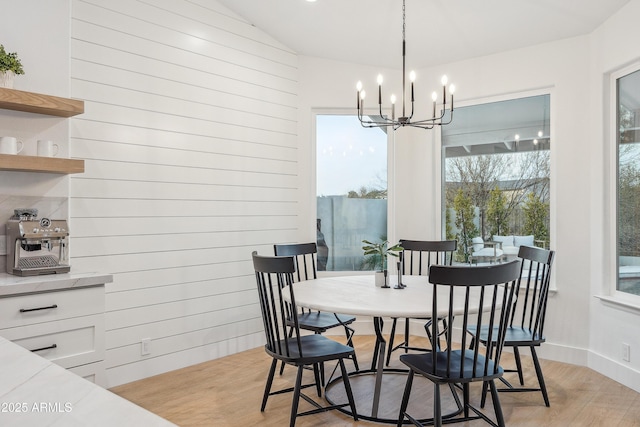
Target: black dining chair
{"points": [[305, 258], [417, 257], [526, 325], [274, 277], [482, 295]]}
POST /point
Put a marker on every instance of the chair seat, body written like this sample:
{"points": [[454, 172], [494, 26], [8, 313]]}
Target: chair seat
{"points": [[319, 322], [423, 364], [315, 348], [514, 336]]}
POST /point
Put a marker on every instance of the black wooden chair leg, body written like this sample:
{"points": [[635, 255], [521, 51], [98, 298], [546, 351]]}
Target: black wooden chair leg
{"points": [[316, 375], [350, 332], [405, 398], [483, 399], [465, 399], [296, 397], [516, 355], [543, 387], [437, 406], [496, 403], [347, 389], [267, 387]]}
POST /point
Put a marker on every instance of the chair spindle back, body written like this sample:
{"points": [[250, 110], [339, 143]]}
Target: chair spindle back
{"points": [[274, 277], [419, 255], [533, 288], [486, 295], [305, 258]]}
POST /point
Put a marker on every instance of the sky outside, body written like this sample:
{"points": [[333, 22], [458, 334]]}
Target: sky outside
{"points": [[348, 155]]}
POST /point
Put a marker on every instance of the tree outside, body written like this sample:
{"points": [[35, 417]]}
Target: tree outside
{"points": [[467, 230], [497, 213], [509, 192], [536, 213]]}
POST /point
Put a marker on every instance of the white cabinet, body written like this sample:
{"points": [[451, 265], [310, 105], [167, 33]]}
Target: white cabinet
{"points": [[65, 326]]}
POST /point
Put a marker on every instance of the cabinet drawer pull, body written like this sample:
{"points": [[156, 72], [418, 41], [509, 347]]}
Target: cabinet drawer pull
{"points": [[26, 310], [45, 348]]}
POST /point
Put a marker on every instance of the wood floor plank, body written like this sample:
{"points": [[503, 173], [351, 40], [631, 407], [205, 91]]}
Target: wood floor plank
{"points": [[228, 391]]}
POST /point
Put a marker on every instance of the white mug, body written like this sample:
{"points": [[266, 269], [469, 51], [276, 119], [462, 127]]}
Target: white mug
{"points": [[10, 145], [47, 148]]}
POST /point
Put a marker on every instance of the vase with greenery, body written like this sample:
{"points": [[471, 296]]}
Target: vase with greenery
{"points": [[377, 254], [10, 66]]}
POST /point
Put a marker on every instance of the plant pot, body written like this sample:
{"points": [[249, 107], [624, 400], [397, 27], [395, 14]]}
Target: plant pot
{"points": [[6, 79], [381, 279]]}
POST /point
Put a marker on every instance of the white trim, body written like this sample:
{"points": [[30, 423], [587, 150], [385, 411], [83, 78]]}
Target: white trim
{"points": [[615, 298], [391, 231], [615, 370], [621, 301], [546, 90]]}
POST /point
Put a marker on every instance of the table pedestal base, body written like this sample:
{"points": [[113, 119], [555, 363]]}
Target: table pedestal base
{"points": [[388, 411], [378, 391]]}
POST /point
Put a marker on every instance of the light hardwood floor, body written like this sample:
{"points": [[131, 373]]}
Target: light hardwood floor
{"points": [[228, 392]]}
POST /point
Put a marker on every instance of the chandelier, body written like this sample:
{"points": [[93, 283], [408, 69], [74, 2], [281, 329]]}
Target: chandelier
{"points": [[382, 121]]}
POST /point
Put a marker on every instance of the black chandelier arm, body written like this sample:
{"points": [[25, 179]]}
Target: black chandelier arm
{"points": [[396, 124], [375, 123], [380, 111], [437, 120]]}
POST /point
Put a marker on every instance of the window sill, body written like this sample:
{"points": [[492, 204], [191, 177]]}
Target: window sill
{"points": [[619, 303]]}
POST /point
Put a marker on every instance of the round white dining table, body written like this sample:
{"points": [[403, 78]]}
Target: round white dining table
{"points": [[358, 295]]}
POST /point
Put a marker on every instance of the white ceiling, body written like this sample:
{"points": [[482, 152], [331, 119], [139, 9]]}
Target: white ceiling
{"points": [[438, 31]]}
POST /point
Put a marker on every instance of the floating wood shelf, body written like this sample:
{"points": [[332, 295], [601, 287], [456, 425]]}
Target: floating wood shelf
{"points": [[30, 102], [10, 162]]}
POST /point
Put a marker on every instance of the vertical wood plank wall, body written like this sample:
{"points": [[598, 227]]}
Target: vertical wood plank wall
{"points": [[190, 147]]}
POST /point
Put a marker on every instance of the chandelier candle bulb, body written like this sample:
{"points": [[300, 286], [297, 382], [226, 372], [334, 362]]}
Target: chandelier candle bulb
{"points": [[452, 89], [444, 81], [412, 78], [434, 96], [393, 107]]}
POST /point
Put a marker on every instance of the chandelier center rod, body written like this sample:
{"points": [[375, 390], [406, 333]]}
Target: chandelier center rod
{"points": [[404, 54]]}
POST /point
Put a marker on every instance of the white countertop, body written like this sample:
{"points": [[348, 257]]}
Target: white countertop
{"points": [[13, 285], [37, 392]]}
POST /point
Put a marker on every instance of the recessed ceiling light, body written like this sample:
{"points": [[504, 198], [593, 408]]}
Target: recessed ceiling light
{"points": [[311, 1]]}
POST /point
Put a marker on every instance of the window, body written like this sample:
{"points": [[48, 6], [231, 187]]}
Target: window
{"points": [[496, 176], [351, 190], [628, 182]]}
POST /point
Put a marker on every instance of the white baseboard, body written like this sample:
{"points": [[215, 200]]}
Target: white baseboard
{"points": [[617, 371]]}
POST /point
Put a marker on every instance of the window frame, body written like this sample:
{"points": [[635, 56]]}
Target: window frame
{"points": [[550, 91], [315, 112], [612, 272]]}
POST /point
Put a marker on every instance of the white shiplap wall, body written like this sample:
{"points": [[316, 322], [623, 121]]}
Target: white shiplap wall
{"points": [[189, 138]]}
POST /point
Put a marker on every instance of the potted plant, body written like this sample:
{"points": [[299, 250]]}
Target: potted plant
{"points": [[377, 253], [10, 65]]}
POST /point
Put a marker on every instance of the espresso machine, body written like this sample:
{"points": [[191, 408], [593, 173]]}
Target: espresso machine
{"points": [[36, 246]]}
